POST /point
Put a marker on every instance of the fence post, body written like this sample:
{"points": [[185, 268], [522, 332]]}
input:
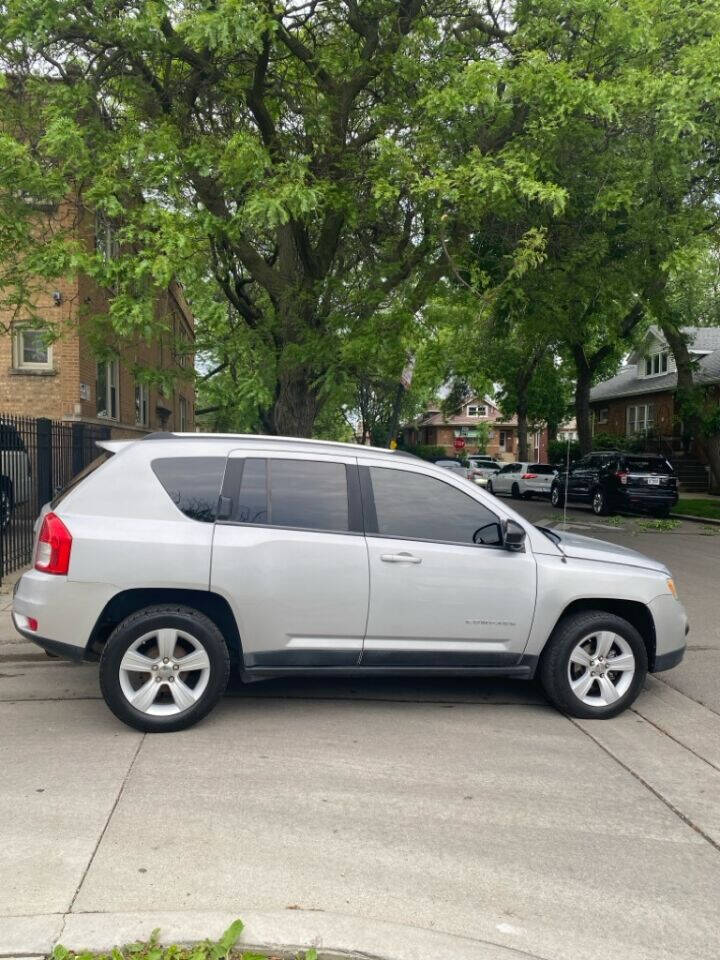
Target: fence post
{"points": [[44, 461], [78, 448]]}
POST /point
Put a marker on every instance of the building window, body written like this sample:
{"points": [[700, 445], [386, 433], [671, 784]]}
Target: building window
{"points": [[106, 242], [142, 405], [640, 418], [183, 346], [603, 415], [183, 415], [106, 389], [656, 363], [477, 411], [31, 351]]}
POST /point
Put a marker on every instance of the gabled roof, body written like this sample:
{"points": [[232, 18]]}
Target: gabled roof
{"points": [[436, 418], [627, 383]]}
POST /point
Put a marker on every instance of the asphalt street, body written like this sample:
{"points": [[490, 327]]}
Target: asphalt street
{"points": [[401, 819]]}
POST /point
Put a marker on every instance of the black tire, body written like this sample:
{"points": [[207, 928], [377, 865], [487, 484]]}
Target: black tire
{"points": [[489, 486], [553, 669], [515, 491], [186, 619], [556, 496], [528, 495], [599, 502]]}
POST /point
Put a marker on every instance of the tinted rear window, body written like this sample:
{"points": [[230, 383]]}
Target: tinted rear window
{"points": [[540, 468], [308, 493], [646, 465], [192, 483]]}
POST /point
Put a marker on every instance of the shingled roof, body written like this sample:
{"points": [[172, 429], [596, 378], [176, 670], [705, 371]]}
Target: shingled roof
{"points": [[627, 383]]}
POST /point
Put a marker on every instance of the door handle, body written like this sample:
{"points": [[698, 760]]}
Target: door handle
{"points": [[399, 558]]}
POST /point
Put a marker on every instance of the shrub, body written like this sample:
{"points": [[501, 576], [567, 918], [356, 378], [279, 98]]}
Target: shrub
{"points": [[557, 451], [426, 451]]}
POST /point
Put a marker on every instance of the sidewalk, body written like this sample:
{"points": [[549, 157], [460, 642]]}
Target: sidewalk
{"points": [[412, 821]]}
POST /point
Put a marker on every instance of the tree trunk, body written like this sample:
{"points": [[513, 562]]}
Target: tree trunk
{"points": [[296, 404], [689, 404], [522, 419], [582, 400]]}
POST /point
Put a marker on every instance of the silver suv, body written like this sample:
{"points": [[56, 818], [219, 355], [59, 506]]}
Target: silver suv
{"points": [[181, 556]]}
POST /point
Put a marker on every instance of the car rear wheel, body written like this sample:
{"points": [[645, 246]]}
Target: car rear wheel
{"points": [[594, 665], [528, 495], [164, 668], [599, 503], [556, 497], [515, 491]]}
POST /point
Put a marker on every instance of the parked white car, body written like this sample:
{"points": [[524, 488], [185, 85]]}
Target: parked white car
{"points": [[482, 468], [523, 480], [454, 465], [15, 472], [183, 556]]}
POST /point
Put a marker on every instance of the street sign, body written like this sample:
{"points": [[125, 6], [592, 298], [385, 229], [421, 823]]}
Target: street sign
{"points": [[459, 443]]}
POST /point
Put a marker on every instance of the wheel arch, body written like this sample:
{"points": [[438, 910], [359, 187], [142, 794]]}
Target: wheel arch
{"points": [[129, 601], [634, 611]]}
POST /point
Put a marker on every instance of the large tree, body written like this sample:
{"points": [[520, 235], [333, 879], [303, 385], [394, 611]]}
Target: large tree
{"points": [[263, 152]]}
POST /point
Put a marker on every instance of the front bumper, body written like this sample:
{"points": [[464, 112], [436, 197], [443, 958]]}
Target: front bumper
{"points": [[671, 629]]}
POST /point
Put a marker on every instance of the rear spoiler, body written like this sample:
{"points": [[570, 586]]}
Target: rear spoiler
{"points": [[113, 446]]}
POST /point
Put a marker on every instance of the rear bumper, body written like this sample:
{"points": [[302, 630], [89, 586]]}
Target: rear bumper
{"points": [[66, 611], [646, 499]]}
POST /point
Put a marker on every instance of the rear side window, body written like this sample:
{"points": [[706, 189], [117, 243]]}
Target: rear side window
{"points": [[308, 494], [540, 468], [192, 483]]}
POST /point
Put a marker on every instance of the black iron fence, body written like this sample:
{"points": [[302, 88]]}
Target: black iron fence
{"points": [[38, 458]]}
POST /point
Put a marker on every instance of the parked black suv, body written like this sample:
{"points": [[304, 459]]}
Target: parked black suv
{"points": [[613, 480]]}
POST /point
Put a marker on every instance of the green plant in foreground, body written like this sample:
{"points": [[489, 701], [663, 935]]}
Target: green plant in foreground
{"points": [[660, 524], [152, 949], [613, 522]]}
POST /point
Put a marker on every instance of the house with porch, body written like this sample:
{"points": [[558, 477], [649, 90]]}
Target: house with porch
{"points": [[437, 429], [640, 400]]}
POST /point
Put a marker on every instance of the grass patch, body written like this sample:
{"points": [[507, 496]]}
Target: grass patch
{"points": [[152, 949], [698, 508], [660, 524]]}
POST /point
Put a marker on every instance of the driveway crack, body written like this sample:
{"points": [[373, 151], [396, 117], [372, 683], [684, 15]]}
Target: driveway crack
{"points": [[656, 793], [104, 829]]}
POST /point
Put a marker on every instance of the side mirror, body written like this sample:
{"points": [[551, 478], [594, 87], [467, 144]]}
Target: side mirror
{"points": [[513, 536]]}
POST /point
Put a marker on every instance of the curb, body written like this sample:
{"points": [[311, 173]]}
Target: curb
{"points": [[685, 516], [334, 936]]}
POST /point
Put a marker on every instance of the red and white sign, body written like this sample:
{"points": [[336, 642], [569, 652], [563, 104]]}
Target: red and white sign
{"points": [[459, 443]]}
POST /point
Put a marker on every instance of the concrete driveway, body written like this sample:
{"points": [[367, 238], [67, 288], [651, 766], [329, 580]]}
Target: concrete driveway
{"points": [[418, 819]]}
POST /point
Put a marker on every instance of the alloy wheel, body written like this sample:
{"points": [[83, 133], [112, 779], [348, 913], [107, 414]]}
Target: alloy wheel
{"points": [[164, 672], [601, 668], [598, 502]]}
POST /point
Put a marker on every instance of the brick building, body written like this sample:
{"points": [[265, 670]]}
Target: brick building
{"points": [[63, 380], [434, 428], [640, 400]]}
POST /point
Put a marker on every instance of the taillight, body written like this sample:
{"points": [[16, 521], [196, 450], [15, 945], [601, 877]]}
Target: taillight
{"points": [[53, 547], [529, 476], [622, 477]]}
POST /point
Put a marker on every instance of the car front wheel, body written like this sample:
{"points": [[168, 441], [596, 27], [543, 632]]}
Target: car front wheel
{"points": [[164, 668], [594, 665], [515, 491], [556, 497], [489, 486]]}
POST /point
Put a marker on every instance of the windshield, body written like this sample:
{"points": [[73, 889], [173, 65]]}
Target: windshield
{"points": [[647, 465]]}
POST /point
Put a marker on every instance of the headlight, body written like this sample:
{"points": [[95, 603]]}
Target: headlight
{"points": [[671, 587]]}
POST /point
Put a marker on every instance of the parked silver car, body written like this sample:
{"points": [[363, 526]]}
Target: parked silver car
{"points": [[183, 556]]}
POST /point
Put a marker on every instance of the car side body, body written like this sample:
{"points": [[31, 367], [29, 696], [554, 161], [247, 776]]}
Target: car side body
{"points": [[388, 564]]}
